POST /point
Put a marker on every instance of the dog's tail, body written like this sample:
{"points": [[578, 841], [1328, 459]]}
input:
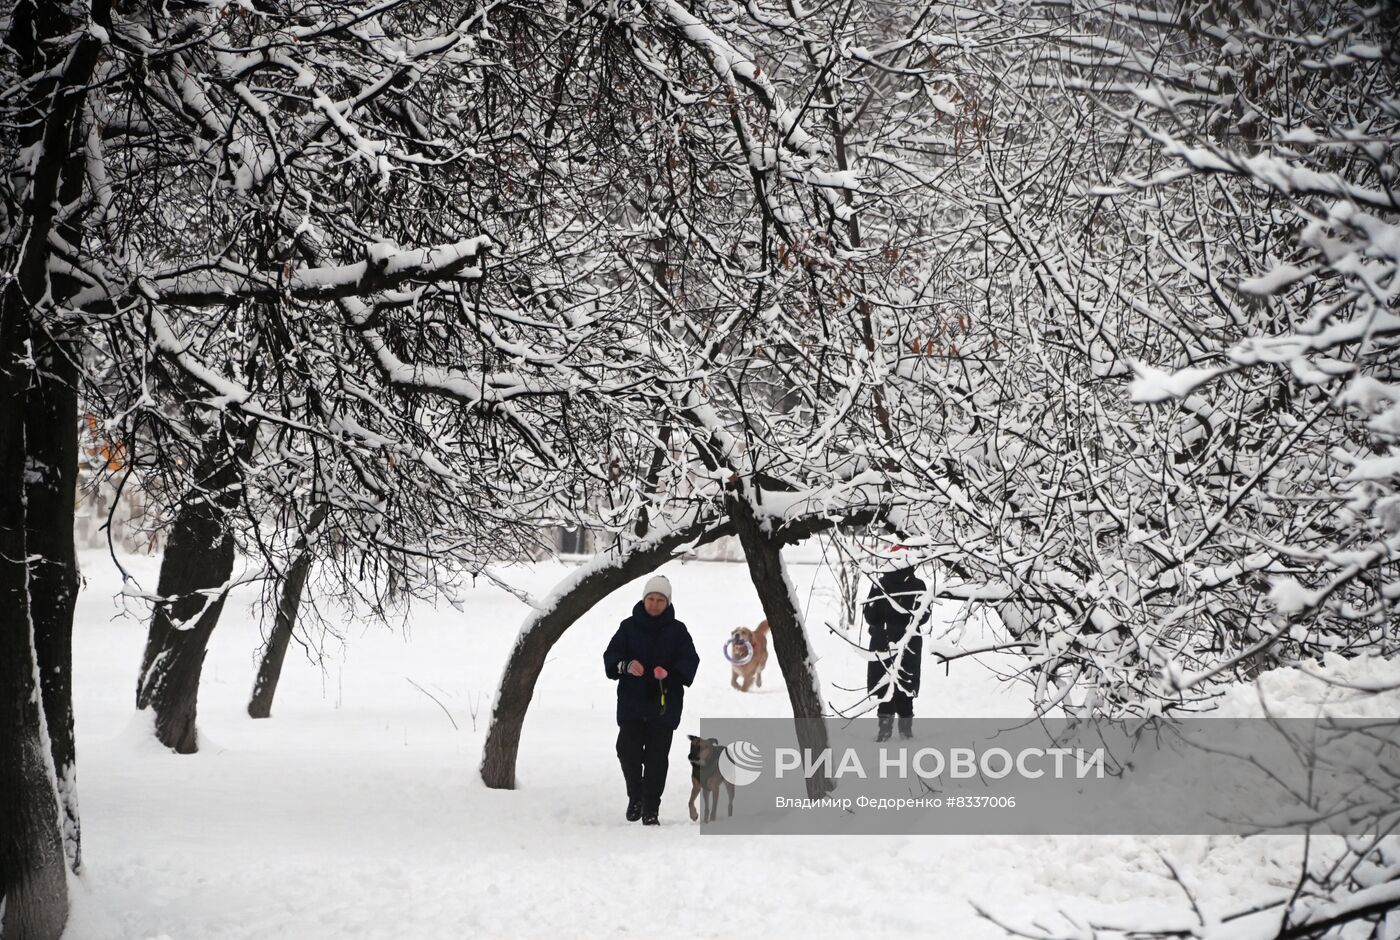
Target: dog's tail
{"points": [[761, 628]]}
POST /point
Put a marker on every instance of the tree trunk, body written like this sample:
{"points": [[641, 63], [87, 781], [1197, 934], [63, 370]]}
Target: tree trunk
{"points": [[288, 603], [51, 448], [198, 562], [51, 444], [763, 553], [33, 876], [33, 879], [542, 629]]}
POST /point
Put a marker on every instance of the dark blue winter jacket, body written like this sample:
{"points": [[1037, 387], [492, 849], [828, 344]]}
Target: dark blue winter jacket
{"points": [[652, 641]]}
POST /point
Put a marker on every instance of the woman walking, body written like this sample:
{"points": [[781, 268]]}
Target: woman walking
{"points": [[652, 659]]}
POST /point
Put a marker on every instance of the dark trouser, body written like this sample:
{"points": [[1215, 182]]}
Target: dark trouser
{"points": [[644, 750], [900, 703]]}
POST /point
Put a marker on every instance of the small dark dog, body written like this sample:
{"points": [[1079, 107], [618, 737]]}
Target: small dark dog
{"points": [[706, 778]]}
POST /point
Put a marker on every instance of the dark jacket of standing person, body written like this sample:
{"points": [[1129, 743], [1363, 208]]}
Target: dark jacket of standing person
{"points": [[889, 613], [653, 641]]}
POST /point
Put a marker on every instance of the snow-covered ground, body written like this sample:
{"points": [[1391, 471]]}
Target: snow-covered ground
{"points": [[356, 811]]}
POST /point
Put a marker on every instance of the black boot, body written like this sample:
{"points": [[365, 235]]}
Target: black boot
{"points": [[906, 726], [651, 815], [886, 727], [634, 810]]}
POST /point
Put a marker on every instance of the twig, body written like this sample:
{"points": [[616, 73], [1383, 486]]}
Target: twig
{"points": [[435, 699], [475, 706]]}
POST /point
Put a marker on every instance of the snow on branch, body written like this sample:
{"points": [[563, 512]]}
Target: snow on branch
{"points": [[225, 282]]}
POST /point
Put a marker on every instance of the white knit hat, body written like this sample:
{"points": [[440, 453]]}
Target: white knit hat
{"points": [[657, 584]]}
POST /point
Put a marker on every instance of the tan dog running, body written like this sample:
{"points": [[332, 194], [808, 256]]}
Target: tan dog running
{"points": [[751, 672]]}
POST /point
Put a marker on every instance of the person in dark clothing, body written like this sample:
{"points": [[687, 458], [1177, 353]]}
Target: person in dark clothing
{"points": [[652, 659], [889, 613]]}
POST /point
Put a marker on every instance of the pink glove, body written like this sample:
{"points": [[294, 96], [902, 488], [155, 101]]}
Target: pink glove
{"points": [[660, 672], [635, 668]]}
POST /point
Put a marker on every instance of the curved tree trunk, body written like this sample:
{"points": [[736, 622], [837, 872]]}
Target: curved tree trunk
{"points": [[288, 603], [763, 553], [196, 567], [542, 629]]}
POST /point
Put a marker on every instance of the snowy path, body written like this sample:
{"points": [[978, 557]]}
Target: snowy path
{"points": [[356, 810]]}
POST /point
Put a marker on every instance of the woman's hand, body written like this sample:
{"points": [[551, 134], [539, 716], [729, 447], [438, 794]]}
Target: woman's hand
{"points": [[636, 668]]}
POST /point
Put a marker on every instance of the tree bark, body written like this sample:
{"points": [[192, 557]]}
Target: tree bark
{"points": [[34, 630], [51, 448], [51, 444], [33, 879], [198, 563], [288, 603], [763, 554]]}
